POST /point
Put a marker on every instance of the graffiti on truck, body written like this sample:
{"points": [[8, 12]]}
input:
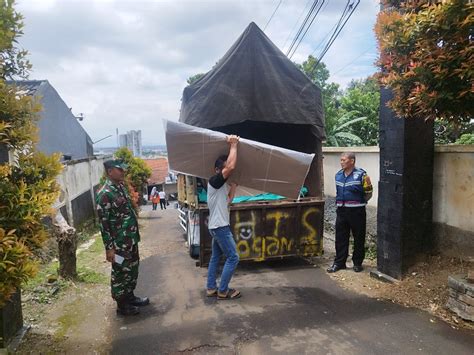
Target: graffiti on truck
{"points": [[277, 236]]}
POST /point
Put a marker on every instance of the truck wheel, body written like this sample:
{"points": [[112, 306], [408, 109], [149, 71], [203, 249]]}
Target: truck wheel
{"points": [[194, 251]]}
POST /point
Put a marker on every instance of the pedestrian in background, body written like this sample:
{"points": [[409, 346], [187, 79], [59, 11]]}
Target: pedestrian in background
{"points": [[162, 200], [120, 234], [353, 190], [155, 198]]}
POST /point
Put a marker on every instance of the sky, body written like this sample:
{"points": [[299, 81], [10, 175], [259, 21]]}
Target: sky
{"points": [[123, 64]]}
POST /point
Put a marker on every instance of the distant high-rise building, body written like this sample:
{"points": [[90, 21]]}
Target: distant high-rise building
{"points": [[133, 141], [123, 140]]}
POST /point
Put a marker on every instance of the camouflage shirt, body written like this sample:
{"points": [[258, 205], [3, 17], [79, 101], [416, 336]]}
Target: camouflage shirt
{"points": [[117, 217]]}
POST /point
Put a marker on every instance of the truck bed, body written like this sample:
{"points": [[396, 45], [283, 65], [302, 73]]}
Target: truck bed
{"points": [[270, 229]]}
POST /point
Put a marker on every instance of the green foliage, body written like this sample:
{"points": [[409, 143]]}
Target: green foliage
{"points": [[18, 116], [27, 192], [339, 134], [467, 138], [194, 78], [426, 58], [316, 72], [450, 132], [352, 115], [362, 99], [28, 188], [138, 172], [13, 62], [331, 93]]}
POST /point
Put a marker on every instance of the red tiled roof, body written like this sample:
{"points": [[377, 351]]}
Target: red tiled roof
{"points": [[159, 170]]}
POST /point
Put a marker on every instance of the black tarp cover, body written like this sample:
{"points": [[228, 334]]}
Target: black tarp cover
{"points": [[254, 82]]}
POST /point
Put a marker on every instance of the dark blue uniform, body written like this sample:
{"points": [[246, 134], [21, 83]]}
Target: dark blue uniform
{"points": [[353, 192]]}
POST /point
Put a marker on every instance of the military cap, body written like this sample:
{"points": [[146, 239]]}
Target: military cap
{"points": [[115, 163]]}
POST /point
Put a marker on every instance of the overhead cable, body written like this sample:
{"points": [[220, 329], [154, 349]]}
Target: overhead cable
{"points": [[350, 10], [296, 24], [274, 12], [352, 61], [307, 28], [303, 25]]}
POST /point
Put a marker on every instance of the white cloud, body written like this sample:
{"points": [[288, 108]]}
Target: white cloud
{"points": [[124, 63]]}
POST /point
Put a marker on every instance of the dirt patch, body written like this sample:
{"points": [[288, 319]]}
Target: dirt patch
{"points": [[425, 287], [60, 312]]}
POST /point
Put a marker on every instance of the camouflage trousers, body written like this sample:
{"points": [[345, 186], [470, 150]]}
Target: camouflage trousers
{"points": [[124, 276]]}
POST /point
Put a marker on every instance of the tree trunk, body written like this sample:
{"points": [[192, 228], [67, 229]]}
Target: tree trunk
{"points": [[67, 257], [67, 245]]}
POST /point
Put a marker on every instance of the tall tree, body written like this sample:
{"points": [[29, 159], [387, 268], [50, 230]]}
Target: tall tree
{"points": [[362, 99], [319, 75], [426, 58], [13, 60], [137, 173]]}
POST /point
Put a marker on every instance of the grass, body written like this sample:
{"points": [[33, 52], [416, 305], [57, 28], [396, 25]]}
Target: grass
{"points": [[86, 231], [371, 251], [87, 275], [46, 285], [72, 317], [89, 261]]}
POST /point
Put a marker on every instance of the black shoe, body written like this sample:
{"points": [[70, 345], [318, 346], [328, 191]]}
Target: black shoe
{"points": [[357, 268], [138, 301], [335, 268], [127, 310]]}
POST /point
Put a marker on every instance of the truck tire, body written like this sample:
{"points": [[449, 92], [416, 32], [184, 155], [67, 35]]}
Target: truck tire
{"points": [[194, 251]]}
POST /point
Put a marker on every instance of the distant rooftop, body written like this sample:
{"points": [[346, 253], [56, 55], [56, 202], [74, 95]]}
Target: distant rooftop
{"points": [[159, 170]]}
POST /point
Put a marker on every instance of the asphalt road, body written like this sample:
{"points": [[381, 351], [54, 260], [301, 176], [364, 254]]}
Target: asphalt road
{"points": [[288, 307]]}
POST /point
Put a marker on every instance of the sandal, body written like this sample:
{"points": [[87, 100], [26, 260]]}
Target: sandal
{"points": [[230, 295], [211, 293]]}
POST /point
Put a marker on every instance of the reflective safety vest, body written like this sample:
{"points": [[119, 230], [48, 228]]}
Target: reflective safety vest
{"points": [[350, 189]]}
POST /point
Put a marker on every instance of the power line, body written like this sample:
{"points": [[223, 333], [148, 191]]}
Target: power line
{"points": [[350, 10], [324, 39], [307, 28], [274, 12], [352, 61], [332, 30], [305, 21], [296, 23], [337, 25]]}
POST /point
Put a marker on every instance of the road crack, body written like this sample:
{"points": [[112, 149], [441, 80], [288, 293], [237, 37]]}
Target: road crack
{"points": [[202, 346]]}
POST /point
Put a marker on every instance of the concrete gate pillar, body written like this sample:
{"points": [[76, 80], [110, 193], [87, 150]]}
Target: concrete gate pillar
{"points": [[404, 216]]}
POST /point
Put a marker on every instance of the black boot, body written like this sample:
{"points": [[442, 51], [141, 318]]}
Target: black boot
{"points": [[126, 309], [138, 301]]}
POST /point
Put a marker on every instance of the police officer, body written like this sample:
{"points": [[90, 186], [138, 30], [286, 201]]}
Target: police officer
{"points": [[353, 189], [119, 229]]}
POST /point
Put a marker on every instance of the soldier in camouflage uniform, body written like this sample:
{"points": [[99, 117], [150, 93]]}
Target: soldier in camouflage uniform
{"points": [[119, 228]]}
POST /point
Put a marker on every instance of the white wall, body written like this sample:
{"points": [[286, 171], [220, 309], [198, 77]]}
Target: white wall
{"points": [[453, 186], [453, 180], [367, 158], [77, 178]]}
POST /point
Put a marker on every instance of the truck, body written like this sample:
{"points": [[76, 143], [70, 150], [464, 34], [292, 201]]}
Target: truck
{"points": [[256, 92]]}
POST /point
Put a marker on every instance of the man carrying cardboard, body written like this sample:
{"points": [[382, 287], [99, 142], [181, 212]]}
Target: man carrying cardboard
{"points": [[219, 196]]}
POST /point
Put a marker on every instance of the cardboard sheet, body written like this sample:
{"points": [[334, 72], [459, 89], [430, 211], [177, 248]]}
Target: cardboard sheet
{"points": [[262, 167]]}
